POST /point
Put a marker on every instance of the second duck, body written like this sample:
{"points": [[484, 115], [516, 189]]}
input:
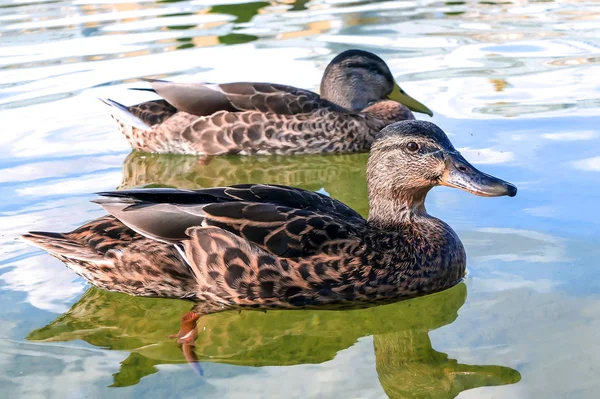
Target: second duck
{"points": [[358, 97]]}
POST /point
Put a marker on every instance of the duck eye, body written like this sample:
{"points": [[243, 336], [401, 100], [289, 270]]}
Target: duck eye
{"points": [[412, 146]]}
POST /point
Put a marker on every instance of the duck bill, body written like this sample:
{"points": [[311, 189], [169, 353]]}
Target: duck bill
{"points": [[462, 175], [399, 95]]}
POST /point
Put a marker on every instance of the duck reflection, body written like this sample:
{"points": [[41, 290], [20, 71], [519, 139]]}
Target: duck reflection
{"points": [[343, 176], [406, 363]]}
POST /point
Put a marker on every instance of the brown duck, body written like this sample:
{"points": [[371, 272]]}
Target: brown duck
{"points": [[267, 246], [359, 97]]}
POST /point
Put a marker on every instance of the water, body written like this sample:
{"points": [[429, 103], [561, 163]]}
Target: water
{"points": [[514, 83]]}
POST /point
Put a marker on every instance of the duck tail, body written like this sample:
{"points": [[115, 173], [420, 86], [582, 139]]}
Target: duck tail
{"points": [[147, 88], [143, 89], [78, 257], [124, 117], [61, 246], [153, 270]]}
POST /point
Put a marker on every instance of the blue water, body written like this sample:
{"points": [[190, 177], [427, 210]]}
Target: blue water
{"points": [[514, 83]]}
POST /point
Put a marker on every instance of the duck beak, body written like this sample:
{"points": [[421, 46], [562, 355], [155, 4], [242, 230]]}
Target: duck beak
{"points": [[462, 175], [399, 95]]}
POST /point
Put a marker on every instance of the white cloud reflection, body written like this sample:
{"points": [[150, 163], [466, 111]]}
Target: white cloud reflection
{"points": [[542, 211], [486, 155], [57, 168], [82, 370], [512, 245], [70, 186], [571, 136], [351, 374], [47, 282], [588, 164]]}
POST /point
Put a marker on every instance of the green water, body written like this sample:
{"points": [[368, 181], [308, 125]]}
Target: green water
{"points": [[405, 361], [513, 83]]}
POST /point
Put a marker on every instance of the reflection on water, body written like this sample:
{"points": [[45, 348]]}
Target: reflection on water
{"points": [[343, 175], [406, 363], [513, 81], [482, 44]]}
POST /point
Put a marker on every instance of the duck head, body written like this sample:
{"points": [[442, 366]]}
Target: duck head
{"points": [[409, 158], [356, 79]]}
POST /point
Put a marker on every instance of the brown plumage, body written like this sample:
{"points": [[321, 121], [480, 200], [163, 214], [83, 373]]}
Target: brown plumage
{"points": [[359, 97], [265, 246], [113, 257]]}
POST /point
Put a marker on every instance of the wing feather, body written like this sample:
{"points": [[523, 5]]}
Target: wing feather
{"points": [[204, 99], [284, 221]]}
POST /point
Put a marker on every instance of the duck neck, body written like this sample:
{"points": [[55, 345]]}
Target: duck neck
{"points": [[402, 231], [345, 97], [392, 209]]}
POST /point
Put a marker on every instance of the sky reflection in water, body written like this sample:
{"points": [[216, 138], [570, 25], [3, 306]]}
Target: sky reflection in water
{"points": [[512, 82]]}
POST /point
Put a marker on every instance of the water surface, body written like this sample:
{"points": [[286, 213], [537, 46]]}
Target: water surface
{"points": [[513, 82]]}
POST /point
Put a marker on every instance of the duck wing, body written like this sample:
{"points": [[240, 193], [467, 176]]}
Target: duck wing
{"points": [[151, 112], [284, 221], [204, 99]]}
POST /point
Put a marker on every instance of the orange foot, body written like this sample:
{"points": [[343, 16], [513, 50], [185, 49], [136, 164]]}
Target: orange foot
{"points": [[186, 337], [188, 332]]}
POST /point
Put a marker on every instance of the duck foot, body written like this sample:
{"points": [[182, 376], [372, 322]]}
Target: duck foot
{"points": [[186, 338], [187, 332]]}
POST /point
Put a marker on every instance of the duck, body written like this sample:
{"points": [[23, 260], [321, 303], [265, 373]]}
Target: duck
{"points": [[260, 246], [358, 97]]}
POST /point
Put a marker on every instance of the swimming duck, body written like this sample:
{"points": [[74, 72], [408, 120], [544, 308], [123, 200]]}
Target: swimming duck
{"points": [[359, 97], [271, 246]]}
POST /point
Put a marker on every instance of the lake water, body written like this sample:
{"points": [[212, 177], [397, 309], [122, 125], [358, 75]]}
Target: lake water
{"points": [[516, 84]]}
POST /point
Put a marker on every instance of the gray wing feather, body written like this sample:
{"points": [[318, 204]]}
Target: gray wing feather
{"points": [[162, 222]]}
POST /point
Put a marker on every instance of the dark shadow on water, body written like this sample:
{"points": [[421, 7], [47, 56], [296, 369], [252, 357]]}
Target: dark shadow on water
{"points": [[406, 363]]}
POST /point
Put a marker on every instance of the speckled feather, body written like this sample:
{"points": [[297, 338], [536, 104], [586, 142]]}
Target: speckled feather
{"points": [[113, 257], [277, 120], [280, 247], [263, 118], [270, 246], [262, 246]]}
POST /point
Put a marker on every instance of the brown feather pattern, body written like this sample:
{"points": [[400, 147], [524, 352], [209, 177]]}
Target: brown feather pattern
{"points": [[113, 257], [268, 122], [272, 246], [262, 246], [264, 118]]}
